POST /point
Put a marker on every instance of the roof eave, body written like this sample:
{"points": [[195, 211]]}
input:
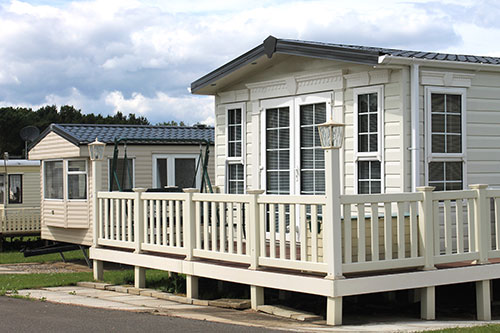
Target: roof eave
{"points": [[272, 45], [397, 60]]}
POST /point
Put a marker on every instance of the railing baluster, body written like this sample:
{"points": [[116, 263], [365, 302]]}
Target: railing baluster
{"points": [[198, 224], [205, 225], [314, 233], [272, 230], [129, 219], [101, 218], [263, 238], [247, 225], [413, 230], [460, 225], [178, 223], [222, 227], [374, 232], [281, 228], [361, 233], [112, 219], [303, 233], [213, 228], [387, 231], [158, 221], [401, 230], [164, 222], [347, 234], [470, 224], [239, 230], [123, 219], [293, 234], [497, 223], [230, 227], [437, 234], [171, 223], [447, 227]]}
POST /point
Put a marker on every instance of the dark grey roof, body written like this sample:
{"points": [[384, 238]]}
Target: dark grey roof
{"points": [[135, 134], [342, 52]]}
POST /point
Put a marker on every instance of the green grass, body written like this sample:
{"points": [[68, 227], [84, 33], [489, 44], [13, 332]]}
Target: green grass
{"points": [[18, 257], [154, 279]]}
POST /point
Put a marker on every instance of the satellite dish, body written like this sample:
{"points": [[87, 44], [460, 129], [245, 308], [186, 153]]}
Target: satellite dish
{"points": [[29, 133]]}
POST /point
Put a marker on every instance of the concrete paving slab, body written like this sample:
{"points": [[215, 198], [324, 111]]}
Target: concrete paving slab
{"points": [[231, 303], [95, 285]]}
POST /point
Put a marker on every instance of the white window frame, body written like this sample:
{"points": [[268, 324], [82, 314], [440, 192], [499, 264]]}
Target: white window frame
{"points": [[445, 157], [370, 156], [67, 173], [293, 103], [171, 167], [110, 160], [63, 181], [235, 159]]}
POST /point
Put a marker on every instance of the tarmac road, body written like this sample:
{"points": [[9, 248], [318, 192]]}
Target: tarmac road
{"points": [[23, 315]]}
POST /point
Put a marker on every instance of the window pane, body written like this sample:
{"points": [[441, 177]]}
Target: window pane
{"points": [[363, 143], [185, 172], [453, 144], [375, 187], [446, 175], [15, 189], [453, 124], [284, 114], [453, 170], [53, 179], [373, 102], [363, 170], [77, 166], [307, 136], [272, 139], [77, 186], [284, 138], [363, 103], [235, 180], [375, 170], [161, 173], [364, 187], [438, 143], [453, 103], [437, 101], [363, 123], [436, 171], [373, 142], [438, 123], [284, 159], [373, 123]]}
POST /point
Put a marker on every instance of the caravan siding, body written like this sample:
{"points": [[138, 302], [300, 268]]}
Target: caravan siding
{"points": [[53, 146], [310, 77]]}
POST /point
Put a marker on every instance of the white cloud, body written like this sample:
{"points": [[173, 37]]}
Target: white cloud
{"points": [[139, 56]]}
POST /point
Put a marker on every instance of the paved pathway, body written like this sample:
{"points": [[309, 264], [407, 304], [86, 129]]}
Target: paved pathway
{"points": [[106, 299]]}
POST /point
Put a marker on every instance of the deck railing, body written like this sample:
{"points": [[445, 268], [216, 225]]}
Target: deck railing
{"points": [[19, 221], [379, 231]]}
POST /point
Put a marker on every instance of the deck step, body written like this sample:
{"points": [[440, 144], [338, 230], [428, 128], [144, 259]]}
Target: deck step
{"points": [[283, 311]]}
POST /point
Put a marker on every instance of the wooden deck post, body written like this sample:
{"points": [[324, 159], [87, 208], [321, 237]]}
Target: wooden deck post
{"points": [[97, 265], [139, 272], [189, 224], [482, 223], [256, 292], [483, 300], [426, 228], [428, 303], [332, 237]]}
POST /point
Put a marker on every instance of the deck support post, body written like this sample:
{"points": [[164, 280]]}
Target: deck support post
{"points": [[334, 311], [191, 286], [98, 269], [139, 277], [483, 300], [428, 303], [256, 296]]}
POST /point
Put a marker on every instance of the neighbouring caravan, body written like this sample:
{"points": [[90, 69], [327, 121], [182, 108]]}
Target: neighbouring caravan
{"points": [[19, 198], [156, 157]]}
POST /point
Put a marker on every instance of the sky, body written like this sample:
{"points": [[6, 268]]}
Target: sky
{"points": [[140, 57]]}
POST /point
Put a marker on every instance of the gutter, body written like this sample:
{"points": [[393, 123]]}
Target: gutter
{"points": [[395, 60]]}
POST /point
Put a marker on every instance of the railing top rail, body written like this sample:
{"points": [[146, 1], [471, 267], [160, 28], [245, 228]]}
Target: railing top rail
{"points": [[176, 196], [115, 195], [454, 195], [492, 193], [292, 199], [219, 197], [380, 198]]}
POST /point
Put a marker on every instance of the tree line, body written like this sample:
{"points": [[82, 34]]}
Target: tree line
{"points": [[12, 120]]}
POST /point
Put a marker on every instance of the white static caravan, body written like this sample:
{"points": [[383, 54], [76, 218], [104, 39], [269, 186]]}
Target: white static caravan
{"points": [[157, 157], [19, 197], [412, 118]]}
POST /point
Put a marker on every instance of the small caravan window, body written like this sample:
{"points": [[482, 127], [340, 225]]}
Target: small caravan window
{"points": [[53, 179], [15, 189], [77, 179]]}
